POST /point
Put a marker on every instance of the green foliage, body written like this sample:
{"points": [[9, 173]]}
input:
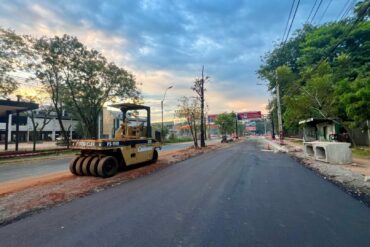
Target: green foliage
{"points": [[177, 139], [189, 109], [13, 50], [323, 71], [226, 122], [80, 80], [355, 96]]}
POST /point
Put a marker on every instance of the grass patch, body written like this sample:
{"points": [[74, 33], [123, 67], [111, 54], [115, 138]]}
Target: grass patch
{"points": [[361, 152], [179, 139], [297, 141]]}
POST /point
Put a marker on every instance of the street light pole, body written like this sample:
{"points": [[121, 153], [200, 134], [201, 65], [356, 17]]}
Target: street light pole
{"points": [[164, 97], [280, 120], [236, 126]]}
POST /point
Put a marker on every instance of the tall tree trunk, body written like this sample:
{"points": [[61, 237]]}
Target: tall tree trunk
{"points": [[202, 134], [195, 134], [195, 141], [272, 128], [60, 120], [34, 140]]}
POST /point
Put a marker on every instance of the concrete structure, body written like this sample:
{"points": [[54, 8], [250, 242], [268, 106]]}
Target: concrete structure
{"points": [[329, 129], [317, 129], [7, 108], [330, 152], [50, 132]]}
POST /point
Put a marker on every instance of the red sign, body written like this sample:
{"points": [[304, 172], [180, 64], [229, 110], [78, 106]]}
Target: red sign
{"points": [[249, 115], [250, 128], [212, 118]]}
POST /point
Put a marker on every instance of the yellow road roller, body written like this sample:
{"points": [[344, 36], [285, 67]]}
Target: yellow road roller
{"points": [[132, 144]]}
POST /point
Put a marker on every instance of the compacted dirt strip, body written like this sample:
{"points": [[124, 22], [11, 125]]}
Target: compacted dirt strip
{"points": [[21, 197]]}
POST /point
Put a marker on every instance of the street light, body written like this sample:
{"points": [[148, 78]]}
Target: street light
{"points": [[164, 97]]}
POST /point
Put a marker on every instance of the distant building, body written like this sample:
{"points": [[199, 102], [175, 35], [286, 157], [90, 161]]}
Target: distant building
{"points": [[50, 132]]}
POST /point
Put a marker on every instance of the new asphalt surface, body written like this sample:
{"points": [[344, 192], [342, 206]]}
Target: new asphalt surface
{"points": [[237, 196], [27, 168]]}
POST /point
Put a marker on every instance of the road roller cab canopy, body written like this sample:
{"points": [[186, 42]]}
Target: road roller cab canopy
{"points": [[125, 107]]}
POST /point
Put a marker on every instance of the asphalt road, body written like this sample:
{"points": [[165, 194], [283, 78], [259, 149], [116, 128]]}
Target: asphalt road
{"points": [[238, 196], [27, 168]]}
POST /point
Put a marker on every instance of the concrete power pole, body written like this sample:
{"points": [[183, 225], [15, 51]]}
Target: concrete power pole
{"points": [[202, 130], [280, 120]]}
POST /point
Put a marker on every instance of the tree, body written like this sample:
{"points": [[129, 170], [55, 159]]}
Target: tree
{"points": [[198, 87], [314, 99], [94, 82], [80, 80], [190, 110], [329, 66], [226, 122], [38, 96], [36, 126], [13, 50], [50, 69]]}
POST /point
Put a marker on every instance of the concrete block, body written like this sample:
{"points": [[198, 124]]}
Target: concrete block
{"points": [[309, 149], [330, 152], [333, 152]]}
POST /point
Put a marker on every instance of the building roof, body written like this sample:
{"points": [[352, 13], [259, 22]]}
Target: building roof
{"points": [[15, 106], [316, 120], [129, 106]]}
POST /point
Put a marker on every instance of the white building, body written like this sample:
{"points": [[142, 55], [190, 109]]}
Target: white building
{"points": [[50, 131]]}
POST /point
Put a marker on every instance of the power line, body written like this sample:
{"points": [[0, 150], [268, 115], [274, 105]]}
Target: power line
{"points": [[287, 23], [313, 7], [360, 17], [343, 10], [350, 7], [318, 7], [291, 23], [326, 9]]}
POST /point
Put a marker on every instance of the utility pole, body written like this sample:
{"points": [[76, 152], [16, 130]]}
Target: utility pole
{"points": [[164, 97], [272, 126], [280, 120], [236, 125], [202, 132]]}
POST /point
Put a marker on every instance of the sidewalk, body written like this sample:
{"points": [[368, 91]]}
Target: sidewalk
{"points": [[27, 146], [354, 178]]}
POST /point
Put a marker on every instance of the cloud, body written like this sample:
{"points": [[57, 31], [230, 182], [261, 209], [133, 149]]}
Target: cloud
{"points": [[167, 42]]}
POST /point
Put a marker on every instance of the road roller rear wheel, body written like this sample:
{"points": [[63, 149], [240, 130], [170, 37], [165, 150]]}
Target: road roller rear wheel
{"points": [[107, 167], [72, 165], [86, 165], [93, 168], [79, 165]]}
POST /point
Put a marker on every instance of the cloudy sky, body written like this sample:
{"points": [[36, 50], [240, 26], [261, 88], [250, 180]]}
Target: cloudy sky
{"points": [[166, 43]]}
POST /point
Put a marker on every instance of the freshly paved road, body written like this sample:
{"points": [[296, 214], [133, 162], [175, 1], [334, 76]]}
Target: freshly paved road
{"points": [[26, 169], [237, 196]]}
